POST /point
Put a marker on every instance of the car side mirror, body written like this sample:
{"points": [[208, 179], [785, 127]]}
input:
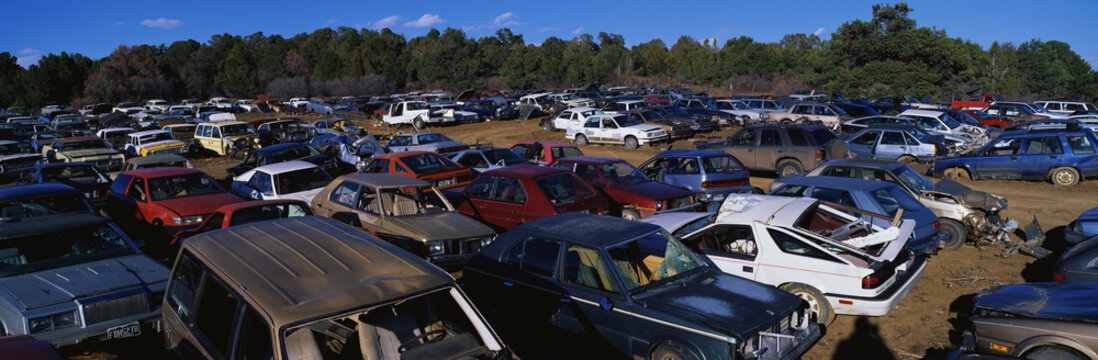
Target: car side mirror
{"points": [[606, 304]]}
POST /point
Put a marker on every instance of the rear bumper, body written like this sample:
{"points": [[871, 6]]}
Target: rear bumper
{"points": [[886, 301]]}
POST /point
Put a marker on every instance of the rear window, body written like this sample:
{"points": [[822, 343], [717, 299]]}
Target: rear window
{"points": [[564, 188], [822, 136], [721, 164]]}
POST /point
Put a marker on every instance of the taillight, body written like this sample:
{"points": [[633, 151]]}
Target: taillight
{"points": [[1057, 277], [819, 154], [936, 225], [879, 277], [723, 183]]}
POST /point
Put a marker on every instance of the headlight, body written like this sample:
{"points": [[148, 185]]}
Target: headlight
{"points": [[193, 219], [659, 205], [484, 241], [52, 322], [436, 247]]}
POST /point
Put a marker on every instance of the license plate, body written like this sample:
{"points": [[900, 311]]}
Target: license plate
{"points": [[446, 182], [124, 331]]}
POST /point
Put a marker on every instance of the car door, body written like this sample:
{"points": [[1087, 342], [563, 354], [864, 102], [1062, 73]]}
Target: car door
{"points": [[742, 146], [1083, 154], [121, 206], [891, 146], [592, 130], [731, 247], [562, 121], [479, 196], [528, 282], [770, 149], [611, 132], [862, 145], [508, 200], [590, 293], [998, 160], [473, 160], [1039, 156]]}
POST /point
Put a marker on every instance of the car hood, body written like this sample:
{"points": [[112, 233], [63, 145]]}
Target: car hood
{"points": [[450, 225], [1089, 215], [732, 305], [199, 205], [33, 290], [88, 153], [1072, 301], [646, 128], [967, 196], [19, 157], [653, 190]]}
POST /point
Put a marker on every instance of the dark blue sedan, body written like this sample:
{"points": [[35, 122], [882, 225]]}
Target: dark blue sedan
{"points": [[878, 197], [1065, 155]]}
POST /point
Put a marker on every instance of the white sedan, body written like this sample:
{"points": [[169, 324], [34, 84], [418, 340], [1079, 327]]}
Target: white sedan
{"points": [[837, 262], [299, 180]]}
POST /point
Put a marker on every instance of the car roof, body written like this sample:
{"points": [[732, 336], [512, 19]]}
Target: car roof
{"points": [[384, 180], [581, 109], [780, 210], [163, 171], [22, 192], [308, 267], [878, 163], [841, 183], [587, 229], [545, 144], [930, 113], [49, 224], [883, 117], [147, 132], [247, 204], [285, 166], [689, 153], [277, 147], [78, 138], [401, 155], [889, 126], [153, 159], [591, 159], [524, 171]]}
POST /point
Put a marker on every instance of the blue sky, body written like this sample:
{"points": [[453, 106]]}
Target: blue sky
{"points": [[95, 28]]}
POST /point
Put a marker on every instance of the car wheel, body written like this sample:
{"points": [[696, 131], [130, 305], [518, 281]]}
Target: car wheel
{"points": [[630, 142], [1053, 352], [1065, 176], [671, 352], [630, 214], [907, 159], [957, 174], [957, 234], [820, 309], [581, 140], [788, 167]]}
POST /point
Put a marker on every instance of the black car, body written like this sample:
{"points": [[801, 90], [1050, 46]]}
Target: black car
{"points": [[285, 152], [698, 122], [84, 177], [28, 201], [604, 283]]}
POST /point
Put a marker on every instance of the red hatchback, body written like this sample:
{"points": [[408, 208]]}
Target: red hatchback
{"points": [[548, 152], [441, 172], [247, 212], [632, 194], [507, 197], [167, 199]]}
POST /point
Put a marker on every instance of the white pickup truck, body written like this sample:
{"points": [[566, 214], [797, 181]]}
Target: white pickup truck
{"points": [[415, 113]]}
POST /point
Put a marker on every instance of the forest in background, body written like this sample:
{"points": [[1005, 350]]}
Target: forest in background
{"points": [[888, 55]]}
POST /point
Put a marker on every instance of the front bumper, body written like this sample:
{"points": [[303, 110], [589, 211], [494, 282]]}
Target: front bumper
{"points": [[652, 139], [150, 322], [802, 342], [883, 303]]}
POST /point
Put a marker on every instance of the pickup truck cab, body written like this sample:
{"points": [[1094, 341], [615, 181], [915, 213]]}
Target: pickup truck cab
{"points": [[982, 102], [415, 113], [615, 129]]}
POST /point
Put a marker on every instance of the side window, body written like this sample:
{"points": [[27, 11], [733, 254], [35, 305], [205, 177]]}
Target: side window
{"points": [[1043, 146], [1080, 145], [1011, 111], [121, 183], [344, 193], [590, 174], [839, 171], [207, 130], [877, 175], [833, 196], [592, 123], [255, 338], [377, 166], [770, 137], [797, 137], [683, 166], [744, 137], [911, 140], [472, 160], [216, 132], [586, 267], [183, 284], [509, 190], [261, 182], [137, 189], [520, 149], [481, 187], [867, 139], [792, 245], [565, 115], [892, 138], [536, 256], [214, 315], [790, 190], [367, 201]]}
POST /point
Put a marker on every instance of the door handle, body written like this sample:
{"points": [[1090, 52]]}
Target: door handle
{"points": [[1052, 156]]}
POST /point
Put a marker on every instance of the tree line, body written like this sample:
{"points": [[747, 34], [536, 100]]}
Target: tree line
{"points": [[889, 55]]}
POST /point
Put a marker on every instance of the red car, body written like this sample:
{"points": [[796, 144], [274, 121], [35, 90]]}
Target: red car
{"points": [[633, 195], [247, 212], [507, 197], [550, 151], [169, 199], [988, 119], [441, 172]]}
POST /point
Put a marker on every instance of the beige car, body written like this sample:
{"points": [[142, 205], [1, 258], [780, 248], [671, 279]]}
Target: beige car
{"points": [[218, 137], [407, 212], [312, 288]]}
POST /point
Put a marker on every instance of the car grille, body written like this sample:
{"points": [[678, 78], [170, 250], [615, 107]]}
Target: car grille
{"points": [[462, 246], [115, 308]]}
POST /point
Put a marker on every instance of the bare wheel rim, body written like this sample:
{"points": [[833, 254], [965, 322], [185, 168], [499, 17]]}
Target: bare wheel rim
{"points": [[788, 170], [813, 304], [1065, 177]]}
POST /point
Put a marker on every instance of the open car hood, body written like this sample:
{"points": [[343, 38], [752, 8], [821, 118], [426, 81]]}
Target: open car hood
{"points": [[1072, 301]]}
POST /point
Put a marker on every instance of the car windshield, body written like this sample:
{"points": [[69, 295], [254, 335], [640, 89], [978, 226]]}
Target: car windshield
{"points": [[431, 138], [71, 126], [721, 164], [57, 249], [912, 179], [82, 145], [55, 173], [428, 163], [237, 129], [268, 212], [425, 326], [48, 136], [183, 185], [503, 156], [1037, 108], [46, 205], [653, 259], [182, 131], [406, 201], [283, 125], [302, 180], [966, 118], [620, 173], [950, 121], [13, 148], [563, 188], [293, 153], [892, 199], [695, 225], [980, 114]]}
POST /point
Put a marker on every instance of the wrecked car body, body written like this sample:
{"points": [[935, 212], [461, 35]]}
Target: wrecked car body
{"points": [[1052, 320]]}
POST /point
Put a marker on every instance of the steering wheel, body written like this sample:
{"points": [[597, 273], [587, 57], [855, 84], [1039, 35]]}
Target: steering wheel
{"points": [[441, 333]]}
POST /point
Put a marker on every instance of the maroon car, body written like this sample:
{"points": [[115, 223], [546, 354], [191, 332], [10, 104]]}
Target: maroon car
{"points": [[632, 194], [507, 197]]}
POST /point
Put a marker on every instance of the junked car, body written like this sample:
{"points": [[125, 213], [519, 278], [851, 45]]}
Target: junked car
{"points": [[544, 153], [633, 289], [86, 178], [245, 213], [567, 118], [292, 298], [1063, 156], [784, 149], [1052, 320], [286, 129], [285, 152], [892, 144], [295, 179], [1078, 263], [426, 166], [942, 122], [218, 137], [838, 262], [164, 201], [633, 195], [430, 141], [153, 142], [486, 158], [711, 175], [14, 158], [506, 197], [615, 129], [88, 149], [1083, 227], [823, 114], [156, 161]]}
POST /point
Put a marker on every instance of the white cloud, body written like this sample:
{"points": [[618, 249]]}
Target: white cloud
{"points": [[425, 21], [712, 41], [818, 32], [387, 22], [162, 23], [119, 23], [505, 19], [28, 51], [544, 29], [28, 57], [331, 22], [577, 31], [467, 29]]}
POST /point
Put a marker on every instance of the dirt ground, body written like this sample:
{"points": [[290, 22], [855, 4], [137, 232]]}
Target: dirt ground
{"points": [[924, 325]]}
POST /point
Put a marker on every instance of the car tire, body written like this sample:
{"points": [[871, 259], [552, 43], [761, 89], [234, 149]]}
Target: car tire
{"points": [[630, 214], [1065, 176], [1053, 352], [907, 159], [581, 140], [788, 167], [817, 303], [957, 174], [630, 142], [671, 352], [957, 234]]}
